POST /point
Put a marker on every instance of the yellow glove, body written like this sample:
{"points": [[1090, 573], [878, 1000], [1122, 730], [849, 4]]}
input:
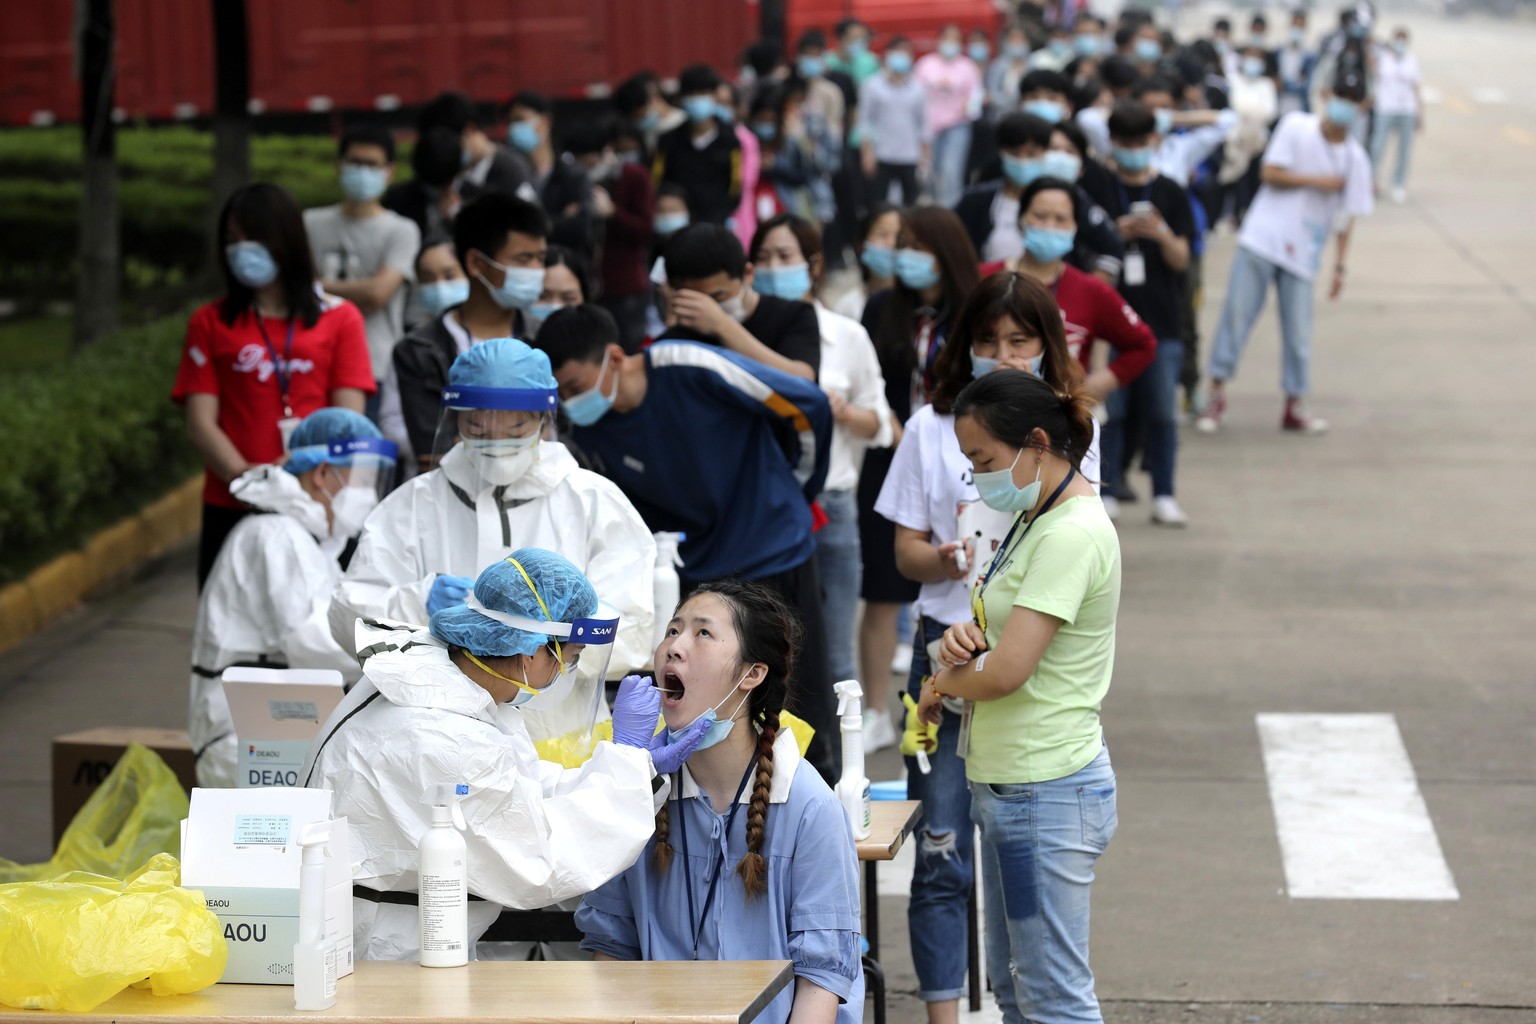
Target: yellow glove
{"points": [[918, 740]]}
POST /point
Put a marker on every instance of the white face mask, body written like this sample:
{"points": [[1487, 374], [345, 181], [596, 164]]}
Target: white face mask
{"points": [[350, 509], [736, 306], [504, 461]]}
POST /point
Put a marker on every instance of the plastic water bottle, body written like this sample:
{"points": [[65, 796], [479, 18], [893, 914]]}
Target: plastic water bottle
{"points": [[665, 582], [853, 786]]}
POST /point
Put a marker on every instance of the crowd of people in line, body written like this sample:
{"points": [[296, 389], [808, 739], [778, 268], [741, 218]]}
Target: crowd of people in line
{"points": [[467, 400]]}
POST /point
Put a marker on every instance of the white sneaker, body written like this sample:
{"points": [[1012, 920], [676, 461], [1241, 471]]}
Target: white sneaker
{"points": [[1111, 507], [879, 732], [1399, 194], [901, 663], [1166, 512]]}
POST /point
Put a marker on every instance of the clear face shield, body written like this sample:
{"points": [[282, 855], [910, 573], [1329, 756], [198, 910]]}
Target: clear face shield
{"points": [[562, 716], [355, 475], [489, 437]]}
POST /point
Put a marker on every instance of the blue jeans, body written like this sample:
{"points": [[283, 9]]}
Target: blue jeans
{"points": [[944, 872], [840, 569], [1246, 291], [951, 147], [1039, 843], [1151, 398], [1403, 126]]}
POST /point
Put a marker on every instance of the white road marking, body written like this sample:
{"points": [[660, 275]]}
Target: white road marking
{"points": [[1489, 95], [1351, 820]]}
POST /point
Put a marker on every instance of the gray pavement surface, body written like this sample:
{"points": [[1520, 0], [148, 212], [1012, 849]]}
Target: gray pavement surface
{"points": [[1386, 567]]}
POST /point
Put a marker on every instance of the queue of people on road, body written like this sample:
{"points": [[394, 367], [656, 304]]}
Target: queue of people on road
{"points": [[883, 337]]}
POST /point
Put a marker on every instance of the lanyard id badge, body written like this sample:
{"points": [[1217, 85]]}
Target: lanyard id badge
{"points": [[714, 876], [280, 370]]}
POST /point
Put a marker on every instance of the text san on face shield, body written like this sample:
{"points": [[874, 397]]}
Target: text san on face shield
{"points": [[499, 429]]}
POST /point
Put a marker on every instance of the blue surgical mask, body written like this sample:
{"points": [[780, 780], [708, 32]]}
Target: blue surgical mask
{"points": [[1047, 245], [1059, 164], [1149, 50], [998, 491], [979, 52], [1342, 112], [591, 405], [765, 130], [542, 311], [524, 135], [1061, 49], [649, 123], [1298, 34], [719, 728], [725, 113], [520, 286], [1253, 67], [1018, 51], [1088, 45], [1020, 171], [917, 270], [699, 108], [1400, 46], [981, 365], [790, 282], [880, 259], [1132, 161], [363, 184], [251, 263], [1357, 31], [810, 67], [1163, 120], [899, 62], [441, 296], [1046, 110], [669, 223], [857, 47]]}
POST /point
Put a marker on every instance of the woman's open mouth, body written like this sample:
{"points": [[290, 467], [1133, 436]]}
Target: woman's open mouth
{"points": [[672, 687]]}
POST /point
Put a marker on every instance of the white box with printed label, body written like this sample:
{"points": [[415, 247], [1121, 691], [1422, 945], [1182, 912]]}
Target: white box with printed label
{"points": [[277, 715], [239, 848]]}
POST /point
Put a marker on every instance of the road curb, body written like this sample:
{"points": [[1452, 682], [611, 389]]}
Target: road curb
{"points": [[52, 589]]}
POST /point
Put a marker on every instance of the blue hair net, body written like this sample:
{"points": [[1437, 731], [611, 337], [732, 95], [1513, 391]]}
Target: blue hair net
{"points": [[565, 589], [502, 363], [321, 428]]}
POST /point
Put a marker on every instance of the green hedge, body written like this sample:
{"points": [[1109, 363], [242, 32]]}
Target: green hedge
{"points": [[164, 177], [89, 442]]}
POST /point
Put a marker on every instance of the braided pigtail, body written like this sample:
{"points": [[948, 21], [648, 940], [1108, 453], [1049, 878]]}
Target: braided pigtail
{"points": [[753, 869], [661, 856]]}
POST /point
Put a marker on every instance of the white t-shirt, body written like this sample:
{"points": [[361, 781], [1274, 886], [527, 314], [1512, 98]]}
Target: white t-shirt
{"points": [[929, 489], [1395, 80], [1289, 226], [1006, 241], [355, 250], [850, 368]]}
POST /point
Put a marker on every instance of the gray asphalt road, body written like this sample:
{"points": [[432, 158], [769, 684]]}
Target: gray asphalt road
{"points": [[1387, 567]]}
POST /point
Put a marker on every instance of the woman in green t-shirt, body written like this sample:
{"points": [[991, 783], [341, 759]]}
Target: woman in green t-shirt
{"points": [[1033, 667]]}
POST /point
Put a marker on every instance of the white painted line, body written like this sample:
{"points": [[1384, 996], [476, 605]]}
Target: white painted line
{"points": [[1489, 95], [1351, 820]]}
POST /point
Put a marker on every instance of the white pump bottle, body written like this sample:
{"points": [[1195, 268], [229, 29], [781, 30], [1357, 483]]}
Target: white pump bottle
{"points": [[853, 786], [443, 880], [314, 959]]}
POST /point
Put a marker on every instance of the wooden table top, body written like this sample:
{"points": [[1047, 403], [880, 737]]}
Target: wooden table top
{"points": [[890, 822], [492, 992]]}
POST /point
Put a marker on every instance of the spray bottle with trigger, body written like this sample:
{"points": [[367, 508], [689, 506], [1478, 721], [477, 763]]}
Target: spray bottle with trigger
{"points": [[314, 959], [443, 880], [853, 786]]}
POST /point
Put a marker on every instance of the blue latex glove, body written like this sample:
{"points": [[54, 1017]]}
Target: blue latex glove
{"points": [[636, 711], [669, 753], [448, 591]]}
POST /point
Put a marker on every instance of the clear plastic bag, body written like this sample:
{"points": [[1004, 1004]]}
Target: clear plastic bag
{"points": [[135, 814], [73, 942]]}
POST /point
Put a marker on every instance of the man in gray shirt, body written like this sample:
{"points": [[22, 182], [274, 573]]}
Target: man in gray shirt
{"points": [[363, 252], [893, 123]]}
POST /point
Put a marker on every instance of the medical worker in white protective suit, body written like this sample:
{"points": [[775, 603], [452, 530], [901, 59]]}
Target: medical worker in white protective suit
{"points": [[445, 705], [268, 594], [499, 486]]}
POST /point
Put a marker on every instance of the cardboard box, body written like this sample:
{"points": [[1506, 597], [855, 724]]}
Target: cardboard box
{"points": [[83, 760], [239, 848], [277, 715]]}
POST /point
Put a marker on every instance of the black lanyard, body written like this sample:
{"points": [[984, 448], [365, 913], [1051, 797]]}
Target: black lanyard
{"points": [[1125, 199], [714, 875], [1003, 550], [280, 368]]}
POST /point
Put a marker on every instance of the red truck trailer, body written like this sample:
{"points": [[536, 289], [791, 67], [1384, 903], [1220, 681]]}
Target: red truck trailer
{"points": [[344, 55]]}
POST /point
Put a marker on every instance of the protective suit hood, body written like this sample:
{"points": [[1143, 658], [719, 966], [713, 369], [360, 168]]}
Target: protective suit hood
{"points": [[411, 668], [553, 465], [274, 489]]}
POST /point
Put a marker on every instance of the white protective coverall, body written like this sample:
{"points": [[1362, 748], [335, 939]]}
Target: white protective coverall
{"points": [[536, 833], [265, 603], [447, 522]]}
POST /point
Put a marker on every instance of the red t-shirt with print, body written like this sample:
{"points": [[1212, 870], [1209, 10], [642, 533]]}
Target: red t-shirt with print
{"points": [[1091, 309], [234, 363]]}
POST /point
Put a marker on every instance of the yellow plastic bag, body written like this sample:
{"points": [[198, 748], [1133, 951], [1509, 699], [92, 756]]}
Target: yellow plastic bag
{"points": [[573, 750], [135, 814], [74, 942]]}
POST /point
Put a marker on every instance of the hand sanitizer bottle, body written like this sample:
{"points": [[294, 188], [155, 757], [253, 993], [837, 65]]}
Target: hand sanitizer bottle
{"points": [[314, 959], [853, 787], [443, 880]]}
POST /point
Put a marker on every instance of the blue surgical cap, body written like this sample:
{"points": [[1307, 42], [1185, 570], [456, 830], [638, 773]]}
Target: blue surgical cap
{"points": [[502, 363], [567, 594], [321, 428]]}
